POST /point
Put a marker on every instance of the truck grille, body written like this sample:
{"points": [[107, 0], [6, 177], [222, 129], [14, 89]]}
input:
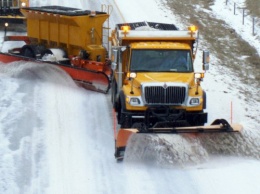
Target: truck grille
{"points": [[171, 95]]}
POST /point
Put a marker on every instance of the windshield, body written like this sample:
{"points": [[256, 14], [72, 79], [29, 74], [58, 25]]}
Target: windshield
{"points": [[161, 60]]}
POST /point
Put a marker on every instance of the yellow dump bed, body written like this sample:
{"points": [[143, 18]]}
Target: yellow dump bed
{"points": [[68, 28]]}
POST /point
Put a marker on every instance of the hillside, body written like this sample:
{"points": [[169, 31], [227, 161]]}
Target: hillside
{"points": [[233, 56]]}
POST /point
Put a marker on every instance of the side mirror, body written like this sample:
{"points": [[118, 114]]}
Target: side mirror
{"points": [[114, 55], [205, 60], [113, 65]]}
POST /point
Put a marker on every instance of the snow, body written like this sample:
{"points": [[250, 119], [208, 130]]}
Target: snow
{"points": [[221, 10], [56, 137]]}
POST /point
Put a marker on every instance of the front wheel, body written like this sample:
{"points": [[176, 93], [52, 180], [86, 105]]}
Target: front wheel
{"points": [[113, 93], [197, 119], [32, 51], [28, 52], [123, 119]]}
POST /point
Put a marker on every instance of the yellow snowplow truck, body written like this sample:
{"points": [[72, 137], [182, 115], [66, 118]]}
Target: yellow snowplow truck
{"points": [[10, 11], [154, 87]]}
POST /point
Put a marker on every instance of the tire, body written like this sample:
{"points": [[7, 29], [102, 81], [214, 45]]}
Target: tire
{"points": [[58, 55], [113, 93], [28, 52], [122, 118], [204, 100], [196, 120], [46, 51], [83, 54], [32, 51]]}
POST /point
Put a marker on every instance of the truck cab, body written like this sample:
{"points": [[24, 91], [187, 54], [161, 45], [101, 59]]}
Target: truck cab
{"points": [[154, 83]]}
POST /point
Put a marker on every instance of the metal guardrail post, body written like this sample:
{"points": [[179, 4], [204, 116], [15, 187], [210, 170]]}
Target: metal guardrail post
{"points": [[244, 16], [253, 26]]}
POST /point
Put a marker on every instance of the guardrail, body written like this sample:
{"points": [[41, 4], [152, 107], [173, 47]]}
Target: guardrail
{"points": [[244, 12]]}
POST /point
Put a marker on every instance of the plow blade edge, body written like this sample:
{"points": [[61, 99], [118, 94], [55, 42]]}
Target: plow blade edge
{"points": [[218, 126]]}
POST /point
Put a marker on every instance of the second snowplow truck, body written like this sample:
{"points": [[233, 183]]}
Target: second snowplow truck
{"points": [[154, 86], [73, 39]]}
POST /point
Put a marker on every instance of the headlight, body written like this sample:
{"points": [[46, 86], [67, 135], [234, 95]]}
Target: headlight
{"points": [[194, 101], [131, 75], [199, 75], [134, 101]]}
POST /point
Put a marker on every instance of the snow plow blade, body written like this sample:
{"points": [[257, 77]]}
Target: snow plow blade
{"points": [[89, 79], [218, 126]]}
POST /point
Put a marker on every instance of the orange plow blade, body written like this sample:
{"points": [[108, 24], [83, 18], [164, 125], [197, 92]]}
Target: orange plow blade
{"points": [[218, 126], [123, 136], [89, 79]]}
